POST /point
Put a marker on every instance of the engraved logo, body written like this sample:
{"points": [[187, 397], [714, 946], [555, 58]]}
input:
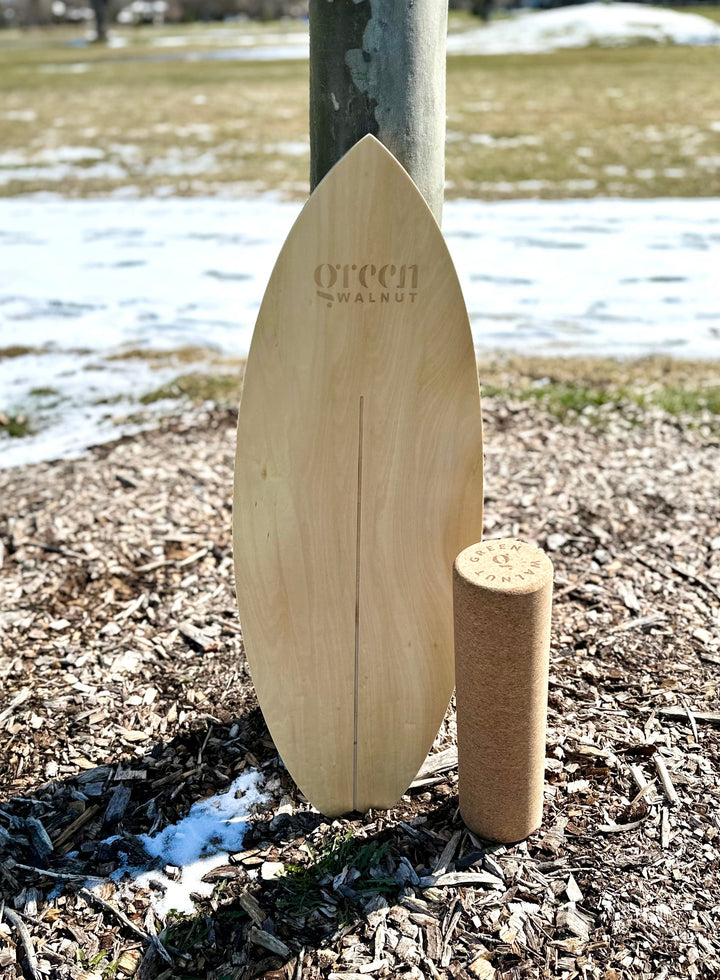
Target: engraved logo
{"points": [[349, 283], [510, 562]]}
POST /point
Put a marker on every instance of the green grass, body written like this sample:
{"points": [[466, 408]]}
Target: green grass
{"points": [[15, 426], [712, 13], [598, 389], [638, 121], [220, 388], [302, 886], [44, 392], [569, 388]]}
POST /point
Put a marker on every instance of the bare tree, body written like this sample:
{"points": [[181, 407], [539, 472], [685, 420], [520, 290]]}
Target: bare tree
{"points": [[100, 9], [378, 66]]}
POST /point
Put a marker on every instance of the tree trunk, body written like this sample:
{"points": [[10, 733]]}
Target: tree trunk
{"points": [[482, 8], [100, 11], [378, 66]]}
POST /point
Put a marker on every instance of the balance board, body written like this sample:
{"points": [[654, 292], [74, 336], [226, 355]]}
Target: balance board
{"points": [[358, 480]]}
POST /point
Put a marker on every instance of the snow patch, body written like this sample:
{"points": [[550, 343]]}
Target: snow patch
{"points": [[200, 842], [20, 115], [526, 32], [83, 281], [76, 68], [604, 24]]}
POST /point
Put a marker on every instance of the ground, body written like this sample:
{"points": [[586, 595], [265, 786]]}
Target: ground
{"points": [[125, 693], [167, 114], [127, 698]]}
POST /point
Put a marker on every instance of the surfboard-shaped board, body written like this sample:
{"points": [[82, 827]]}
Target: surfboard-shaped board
{"points": [[358, 480]]}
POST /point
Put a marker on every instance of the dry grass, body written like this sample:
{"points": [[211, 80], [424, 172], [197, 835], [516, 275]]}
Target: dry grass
{"points": [[641, 121], [518, 372], [634, 122], [184, 127]]}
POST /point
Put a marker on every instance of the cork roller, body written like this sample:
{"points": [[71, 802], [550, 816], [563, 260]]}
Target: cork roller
{"points": [[502, 592]]}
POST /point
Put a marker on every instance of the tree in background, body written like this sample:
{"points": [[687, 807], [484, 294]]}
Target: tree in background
{"points": [[480, 8], [100, 10]]}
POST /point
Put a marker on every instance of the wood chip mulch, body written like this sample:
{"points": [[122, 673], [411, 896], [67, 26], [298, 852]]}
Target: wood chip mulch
{"points": [[125, 698]]}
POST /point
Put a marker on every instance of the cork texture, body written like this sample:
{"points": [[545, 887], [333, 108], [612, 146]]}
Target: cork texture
{"points": [[502, 594]]}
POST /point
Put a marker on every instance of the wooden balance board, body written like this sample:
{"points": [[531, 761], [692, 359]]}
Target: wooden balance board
{"points": [[358, 480]]}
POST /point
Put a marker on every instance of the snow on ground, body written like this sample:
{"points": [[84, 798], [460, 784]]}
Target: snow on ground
{"points": [[524, 32], [200, 842], [82, 282], [55, 165], [604, 24]]}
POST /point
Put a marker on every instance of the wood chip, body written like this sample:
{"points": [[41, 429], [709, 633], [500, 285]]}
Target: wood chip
{"points": [[271, 869], [433, 941], [456, 879], [251, 906], [665, 780], [438, 762], [620, 828], [117, 805], [448, 853], [69, 832], [25, 938], [570, 919], [197, 638], [264, 939], [665, 828], [482, 968], [573, 891], [39, 838], [374, 967], [680, 714], [128, 962]]}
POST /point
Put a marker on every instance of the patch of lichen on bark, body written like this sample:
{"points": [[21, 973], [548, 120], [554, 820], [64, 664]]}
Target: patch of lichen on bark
{"points": [[340, 112]]}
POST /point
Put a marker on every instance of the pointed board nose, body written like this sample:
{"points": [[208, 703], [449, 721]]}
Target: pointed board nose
{"points": [[358, 480]]}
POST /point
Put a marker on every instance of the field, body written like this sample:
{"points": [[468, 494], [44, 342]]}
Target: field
{"points": [[163, 111]]}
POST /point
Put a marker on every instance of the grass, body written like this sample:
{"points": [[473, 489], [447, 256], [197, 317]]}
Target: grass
{"points": [[221, 388], [595, 389], [568, 388], [189, 354], [639, 121], [304, 886], [187, 126], [713, 13], [631, 122], [9, 353], [15, 426], [44, 392]]}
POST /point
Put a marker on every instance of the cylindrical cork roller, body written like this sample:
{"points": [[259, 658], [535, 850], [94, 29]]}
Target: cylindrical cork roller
{"points": [[502, 592]]}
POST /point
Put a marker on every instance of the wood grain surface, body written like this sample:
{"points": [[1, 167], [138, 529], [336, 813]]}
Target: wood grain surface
{"points": [[358, 480]]}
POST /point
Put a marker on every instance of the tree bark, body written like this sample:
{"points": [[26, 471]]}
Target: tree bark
{"points": [[100, 11], [378, 66]]}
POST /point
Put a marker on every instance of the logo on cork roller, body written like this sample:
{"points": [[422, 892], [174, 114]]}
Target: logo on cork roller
{"points": [[509, 562], [349, 284]]}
